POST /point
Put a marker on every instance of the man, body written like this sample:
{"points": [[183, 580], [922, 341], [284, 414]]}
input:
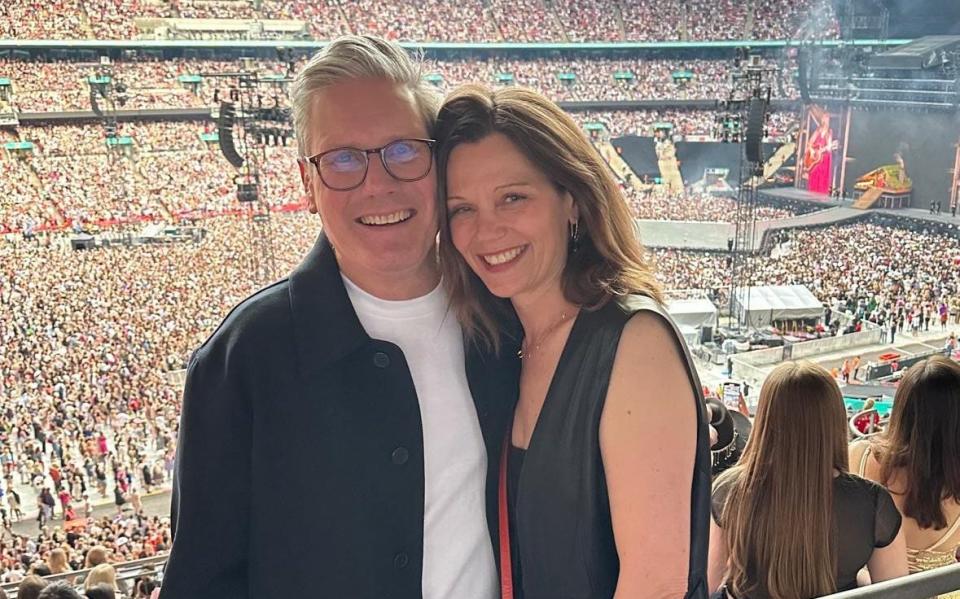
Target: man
{"points": [[336, 434]]}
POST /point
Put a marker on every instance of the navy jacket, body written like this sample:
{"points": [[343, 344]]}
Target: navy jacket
{"points": [[300, 461]]}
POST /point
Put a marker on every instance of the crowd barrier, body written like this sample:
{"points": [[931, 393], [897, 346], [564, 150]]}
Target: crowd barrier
{"points": [[826, 345], [104, 225], [922, 585], [127, 573], [747, 365]]}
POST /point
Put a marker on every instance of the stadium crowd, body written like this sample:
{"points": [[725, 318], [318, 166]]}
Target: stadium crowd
{"points": [[686, 123], [56, 86], [88, 408], [86, 357], [896, 277], [89, 392], [168, 172], [692, 207], [429, 20]]}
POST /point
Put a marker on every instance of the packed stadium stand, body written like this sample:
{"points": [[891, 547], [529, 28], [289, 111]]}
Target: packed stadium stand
{"points": [[421, 21], [93, 343]]}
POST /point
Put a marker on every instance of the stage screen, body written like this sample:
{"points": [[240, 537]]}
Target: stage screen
{"points": [[927, 142]]}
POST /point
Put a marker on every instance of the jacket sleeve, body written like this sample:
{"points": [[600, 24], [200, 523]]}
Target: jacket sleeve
{"points": [[211, 488]]}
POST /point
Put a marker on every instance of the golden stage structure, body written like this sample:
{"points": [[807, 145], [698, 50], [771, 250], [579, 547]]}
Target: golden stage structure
{"points": [[889, 185]]}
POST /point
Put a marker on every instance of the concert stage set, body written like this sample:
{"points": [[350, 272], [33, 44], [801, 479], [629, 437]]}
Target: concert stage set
{"points": [[714, 236], [886, 130]]}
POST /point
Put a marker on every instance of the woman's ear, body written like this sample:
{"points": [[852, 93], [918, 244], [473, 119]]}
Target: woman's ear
{"points": [[571, 206]]}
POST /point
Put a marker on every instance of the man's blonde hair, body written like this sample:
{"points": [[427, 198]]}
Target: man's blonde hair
{"points": [[354, 57]]}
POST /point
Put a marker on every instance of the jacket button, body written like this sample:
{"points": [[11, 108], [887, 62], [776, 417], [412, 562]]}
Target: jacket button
{"points": [[400, 561], [400, 456], [381, 360]]}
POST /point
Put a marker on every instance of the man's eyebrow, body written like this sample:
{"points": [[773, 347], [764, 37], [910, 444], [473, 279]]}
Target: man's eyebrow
{"points": [[328, 145]]}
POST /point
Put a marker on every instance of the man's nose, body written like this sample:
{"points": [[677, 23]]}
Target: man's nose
{"points": [[377, 176]]}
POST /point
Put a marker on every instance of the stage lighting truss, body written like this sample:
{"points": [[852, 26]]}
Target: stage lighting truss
{"points": [[108, 94], [252, 115], [745, 112], [843, 74]]}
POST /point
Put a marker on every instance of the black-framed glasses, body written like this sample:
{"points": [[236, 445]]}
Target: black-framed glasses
{"points": [[343, 169]]}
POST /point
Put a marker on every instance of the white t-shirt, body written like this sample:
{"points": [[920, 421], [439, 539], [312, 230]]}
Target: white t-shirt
{"points": [[457, 556]]}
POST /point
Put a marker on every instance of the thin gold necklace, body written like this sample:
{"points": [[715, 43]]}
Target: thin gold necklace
{"points": [[525, 354]]}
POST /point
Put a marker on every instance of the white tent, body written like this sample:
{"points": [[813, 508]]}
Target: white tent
{"points": [[772, 303], [694, 313]]}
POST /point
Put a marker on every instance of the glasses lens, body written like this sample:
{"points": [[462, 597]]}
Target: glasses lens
{"points": [[342, 169], [407, 159]]}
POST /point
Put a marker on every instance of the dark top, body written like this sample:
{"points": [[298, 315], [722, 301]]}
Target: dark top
{"points": [[291, 408], [564, 534], [514, 467], [865, 516]]}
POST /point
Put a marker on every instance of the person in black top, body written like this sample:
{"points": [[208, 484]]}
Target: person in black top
{"points": [[790, 520], [606, 488]]}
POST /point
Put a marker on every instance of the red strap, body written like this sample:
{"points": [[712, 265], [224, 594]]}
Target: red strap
{"points": [[506, 562]]}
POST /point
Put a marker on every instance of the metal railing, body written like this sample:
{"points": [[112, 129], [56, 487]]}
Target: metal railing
{"points": [[127, 572], [873, 429], [921, 585]]}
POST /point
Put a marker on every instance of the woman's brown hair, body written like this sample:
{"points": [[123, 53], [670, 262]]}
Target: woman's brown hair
{"points": [[57, 560], [798, 440], [923, 440], [609, 260]]}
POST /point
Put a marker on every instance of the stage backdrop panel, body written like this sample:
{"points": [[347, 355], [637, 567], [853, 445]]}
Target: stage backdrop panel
{"points": [[694, 157], [925, 140]]}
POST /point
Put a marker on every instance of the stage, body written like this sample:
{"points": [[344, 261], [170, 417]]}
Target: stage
{"points": [[777, 196], [780, 195], [713, 237]]}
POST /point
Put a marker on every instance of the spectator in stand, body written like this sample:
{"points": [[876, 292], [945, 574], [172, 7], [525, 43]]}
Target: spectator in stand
{"points": [[521, 180], [57, 560], [358, 93], [761, 545], [96, 556], [869, 420], [30, 587], [59, 590], [103, 574], [102, 591], [918, 459]]}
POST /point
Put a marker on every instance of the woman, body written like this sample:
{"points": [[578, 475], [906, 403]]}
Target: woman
{"points": [[102, 574], [57, 561], [819, 158], [918, 459], [600, 460], [789, 521]]}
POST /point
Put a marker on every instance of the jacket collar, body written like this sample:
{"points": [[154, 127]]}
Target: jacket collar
{"points": [[325, 322]]}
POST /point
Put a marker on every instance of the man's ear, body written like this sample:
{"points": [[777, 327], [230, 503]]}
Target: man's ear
{"points": [[307, 198]]}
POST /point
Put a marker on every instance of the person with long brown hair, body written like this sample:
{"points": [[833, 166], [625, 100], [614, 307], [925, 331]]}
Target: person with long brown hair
{"points": [[918, 459], [790, 521], [605, 470]]}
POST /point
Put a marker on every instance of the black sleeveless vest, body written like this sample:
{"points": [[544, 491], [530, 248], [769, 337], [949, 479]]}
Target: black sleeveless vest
{"points": [[563, 513]]}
